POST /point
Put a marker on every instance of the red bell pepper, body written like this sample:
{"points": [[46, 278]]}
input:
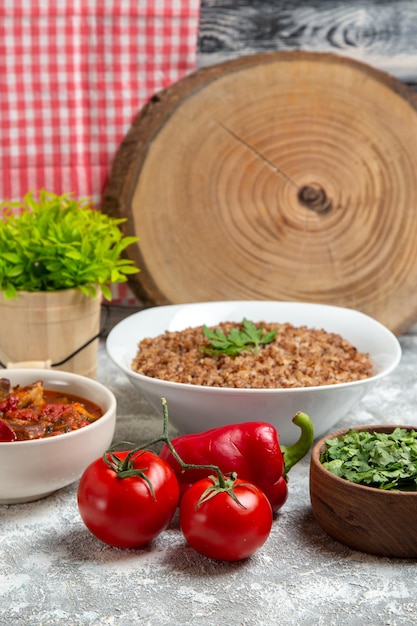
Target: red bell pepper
{"points": [[250, 449]]}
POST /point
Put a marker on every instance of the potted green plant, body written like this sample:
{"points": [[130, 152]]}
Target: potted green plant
{"points": [[58, 257]]}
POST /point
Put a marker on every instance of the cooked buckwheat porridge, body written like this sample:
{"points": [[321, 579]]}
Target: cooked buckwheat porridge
{"points": [[297, 357]]}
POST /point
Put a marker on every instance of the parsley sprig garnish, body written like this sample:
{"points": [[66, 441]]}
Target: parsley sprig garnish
{"points": [[247, 337], [381, 460]]}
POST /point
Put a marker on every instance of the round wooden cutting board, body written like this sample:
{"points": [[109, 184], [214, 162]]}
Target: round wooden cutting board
{"points": [[283, 176]]}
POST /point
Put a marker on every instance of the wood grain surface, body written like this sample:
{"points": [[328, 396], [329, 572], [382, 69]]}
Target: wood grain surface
{"points": [[287, 176], [379, 32]]}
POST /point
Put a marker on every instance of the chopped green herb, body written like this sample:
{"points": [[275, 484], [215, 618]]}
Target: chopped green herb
{"points": [[248, 337], [374, 459]]}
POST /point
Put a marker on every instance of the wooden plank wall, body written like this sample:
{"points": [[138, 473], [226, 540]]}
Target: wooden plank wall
{"points": [[382, 33]]}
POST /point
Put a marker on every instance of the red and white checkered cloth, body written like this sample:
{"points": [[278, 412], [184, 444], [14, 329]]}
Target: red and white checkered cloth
{"points": [[73, 75]]}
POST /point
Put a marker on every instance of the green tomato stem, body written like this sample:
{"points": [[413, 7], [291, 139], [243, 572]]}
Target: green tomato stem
{"points": [[122, 467], [187, 466]]}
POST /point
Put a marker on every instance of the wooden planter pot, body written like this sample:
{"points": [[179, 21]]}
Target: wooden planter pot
{"points": [[43, 328]]}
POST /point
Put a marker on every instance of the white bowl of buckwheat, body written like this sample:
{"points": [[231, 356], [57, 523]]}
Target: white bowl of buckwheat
{"points": [[228, 362]]}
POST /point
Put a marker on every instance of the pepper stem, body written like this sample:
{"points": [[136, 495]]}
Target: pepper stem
{"points": [[293, 454]]}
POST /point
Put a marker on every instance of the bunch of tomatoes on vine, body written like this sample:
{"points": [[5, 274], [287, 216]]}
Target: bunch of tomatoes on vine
{"points": [[227, 483]]}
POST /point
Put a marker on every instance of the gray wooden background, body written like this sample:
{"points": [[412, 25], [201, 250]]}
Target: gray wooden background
{"points": [[382, 33]]}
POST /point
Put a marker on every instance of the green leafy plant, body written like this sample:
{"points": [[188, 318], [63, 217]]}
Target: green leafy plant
{"points": [[52, 242], [381, 460], [247, 337]]}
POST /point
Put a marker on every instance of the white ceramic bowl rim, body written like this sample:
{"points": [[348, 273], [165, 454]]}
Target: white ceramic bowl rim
{"points": [[67, 377], [171, 310]]}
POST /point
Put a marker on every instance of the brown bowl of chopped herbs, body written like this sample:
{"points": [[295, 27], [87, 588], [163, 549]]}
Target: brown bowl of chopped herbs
{"points": [[363, 489]]}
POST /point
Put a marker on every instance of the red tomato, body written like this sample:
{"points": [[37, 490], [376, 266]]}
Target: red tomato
{"points": [[221, 528], [122, 512]]}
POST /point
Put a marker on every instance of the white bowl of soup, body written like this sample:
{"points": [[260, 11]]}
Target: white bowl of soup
{"points": [[53, 424]]}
